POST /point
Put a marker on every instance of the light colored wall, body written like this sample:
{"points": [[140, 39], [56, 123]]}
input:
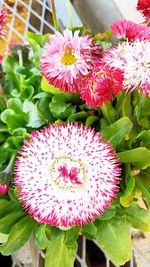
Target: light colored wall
{"points": [[99, 14], [128, 9]]}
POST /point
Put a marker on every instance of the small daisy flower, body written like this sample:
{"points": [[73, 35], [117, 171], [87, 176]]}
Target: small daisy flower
{"points": [[3, 189], [134, 60], [3, 21], [128, 30], [144, 7], [101, 84], [66, 175], [66, 58]]}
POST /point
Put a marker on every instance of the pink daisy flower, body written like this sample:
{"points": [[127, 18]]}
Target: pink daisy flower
{"points": [[134, 60], [3, 21], [128, 30], [66, 58], [101, 84], [144, 7], [66, 175], [3, 189]]}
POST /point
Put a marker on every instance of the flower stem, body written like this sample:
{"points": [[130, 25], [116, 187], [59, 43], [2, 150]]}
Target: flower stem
{"points": [[55, 21], [69, 13], [20, 58], [21, 65], [10, 165], [5, 175], [109, 112]]}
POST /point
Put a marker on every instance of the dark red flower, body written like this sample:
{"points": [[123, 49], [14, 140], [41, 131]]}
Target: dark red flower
{"points": [[101, 84], [144, 7]]}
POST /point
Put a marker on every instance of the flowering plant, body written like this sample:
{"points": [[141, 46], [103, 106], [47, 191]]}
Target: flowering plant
{"points": [[75, 140]]}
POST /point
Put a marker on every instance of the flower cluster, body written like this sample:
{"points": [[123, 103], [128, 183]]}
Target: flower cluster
{"points": [[77, 64], [3, 21], [66, 175]]}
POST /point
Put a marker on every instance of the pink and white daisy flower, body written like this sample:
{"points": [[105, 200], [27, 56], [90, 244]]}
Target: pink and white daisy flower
{"points": [[134, 60], [3, 189], [101, 84], [66, 175], [128, 30], [144, 7], [66, 58], [3, 21]]}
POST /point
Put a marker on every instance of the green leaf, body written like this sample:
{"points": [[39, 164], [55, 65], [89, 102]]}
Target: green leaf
{"points": [[36, 41], [90, 120], [7, 207], [79, 116], [130, 184], [3, 204], [107, 215], [89, 230], [38, 38], [109, 112], [9, 64], [59, 106], [19, 234], [14, 120], [19, 132], [139, 157], [117, 131], [13, 194], [5, 154], [144, 188], [40, 236], [126, 106], [114, 238], [3, 238], [42, 95], [45, 86], [14, 141], [144, 139], [9, 220], [60, 251], [43, 107], [128, 195], [105, 45], [138, 217], [143, 111], [34, 118], [27, 92], [15, 104]]}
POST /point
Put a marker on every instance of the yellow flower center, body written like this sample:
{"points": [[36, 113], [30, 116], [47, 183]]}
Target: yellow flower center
{"points": [[68, 57]]}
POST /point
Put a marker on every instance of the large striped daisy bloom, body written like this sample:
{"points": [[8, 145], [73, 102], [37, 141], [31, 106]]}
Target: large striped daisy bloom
{"points": [[67, 57], [66, 175]]}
